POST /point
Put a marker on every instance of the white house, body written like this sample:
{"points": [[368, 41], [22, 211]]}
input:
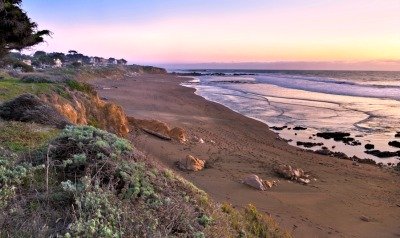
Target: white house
{"points": [[57, 63], [27, 61]]}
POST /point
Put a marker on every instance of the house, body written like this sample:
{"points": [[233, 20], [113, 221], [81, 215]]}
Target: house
{"points": [[121, 62], [111, 61], [27, 61], [57, 63]]}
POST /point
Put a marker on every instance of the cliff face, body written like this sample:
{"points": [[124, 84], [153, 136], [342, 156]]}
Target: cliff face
{"points": [[81, 104], [88, 109], [115, 72]]}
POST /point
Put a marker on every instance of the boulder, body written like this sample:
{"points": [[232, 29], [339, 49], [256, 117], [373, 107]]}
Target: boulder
{"points": [[30, 108], [269, 184], [303, 180], [394, 143], [299, 128], [383, 154], [277, 128], [369, 146], [178, 134], [286, 171], [196, 139], [308, 144], [159, 129], [191, 163], [254, 181]]}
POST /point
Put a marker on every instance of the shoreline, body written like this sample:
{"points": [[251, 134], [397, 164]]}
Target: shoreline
{"points": [[275, 115], [330, 207]]}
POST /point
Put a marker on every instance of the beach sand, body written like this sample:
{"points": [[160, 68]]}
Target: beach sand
{"points": [[332, 206]]}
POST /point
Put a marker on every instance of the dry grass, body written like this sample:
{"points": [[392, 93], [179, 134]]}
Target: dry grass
{"points": [[251, 223], [22, 137]]}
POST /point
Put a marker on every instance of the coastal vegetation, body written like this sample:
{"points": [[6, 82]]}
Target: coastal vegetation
{"points": [[82, 181]]}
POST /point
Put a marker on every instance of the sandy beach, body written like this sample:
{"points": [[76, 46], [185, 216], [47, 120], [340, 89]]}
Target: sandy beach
{"points": [[344, 201]]}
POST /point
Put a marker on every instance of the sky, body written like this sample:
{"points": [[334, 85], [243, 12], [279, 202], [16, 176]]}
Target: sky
{"points": [[300, 34]]}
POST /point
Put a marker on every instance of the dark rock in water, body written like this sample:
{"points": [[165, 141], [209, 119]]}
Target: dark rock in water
{"points": [[242, 74], [333, 135], [30, 108], [339, 136], [308, 144], [345, 140], [218, 74], [189, 74], [382, 154], [397, 134], [324, 147], [355, 143], [299, 128], [277, 128], [394, 144], [369, 146]]}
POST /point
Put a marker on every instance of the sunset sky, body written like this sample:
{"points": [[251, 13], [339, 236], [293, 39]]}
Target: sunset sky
{"points": [[292, 32]]}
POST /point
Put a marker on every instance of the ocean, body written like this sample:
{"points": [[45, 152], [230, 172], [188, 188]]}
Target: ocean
{"points": [[364, 104]]}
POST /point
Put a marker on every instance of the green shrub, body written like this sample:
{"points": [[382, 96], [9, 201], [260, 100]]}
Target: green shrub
{"points": [[205, 220], [98, 213], [80, 86], [36, 78], [11, 176], [24, 67], [251, 223], [136, 181]]}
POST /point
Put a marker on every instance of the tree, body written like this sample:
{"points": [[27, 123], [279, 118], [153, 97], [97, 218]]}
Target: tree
{"points": [[39, 54], [122, 61], [111, 60], [17, 31], [58, 55], [72, 52]]}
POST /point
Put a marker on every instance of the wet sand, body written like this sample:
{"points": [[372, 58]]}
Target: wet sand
{"points": [[332, 206]]}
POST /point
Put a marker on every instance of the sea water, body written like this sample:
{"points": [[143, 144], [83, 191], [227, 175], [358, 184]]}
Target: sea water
{"points": [[365, 104]]}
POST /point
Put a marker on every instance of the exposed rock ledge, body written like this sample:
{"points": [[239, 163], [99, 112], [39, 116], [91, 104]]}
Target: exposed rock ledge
{"points": [[88, 109], [159, 129]]}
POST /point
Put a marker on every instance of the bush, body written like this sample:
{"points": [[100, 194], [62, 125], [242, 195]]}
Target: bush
{"points": [[24, 67], [251, 223], [36, 78], [11, 176], [80, 86], [100, 186]]}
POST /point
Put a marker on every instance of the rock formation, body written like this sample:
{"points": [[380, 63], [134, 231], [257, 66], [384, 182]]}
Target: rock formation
{"points": [[256, 182], [286, 171], [88, 109], [159, 129], [191, 163]]}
